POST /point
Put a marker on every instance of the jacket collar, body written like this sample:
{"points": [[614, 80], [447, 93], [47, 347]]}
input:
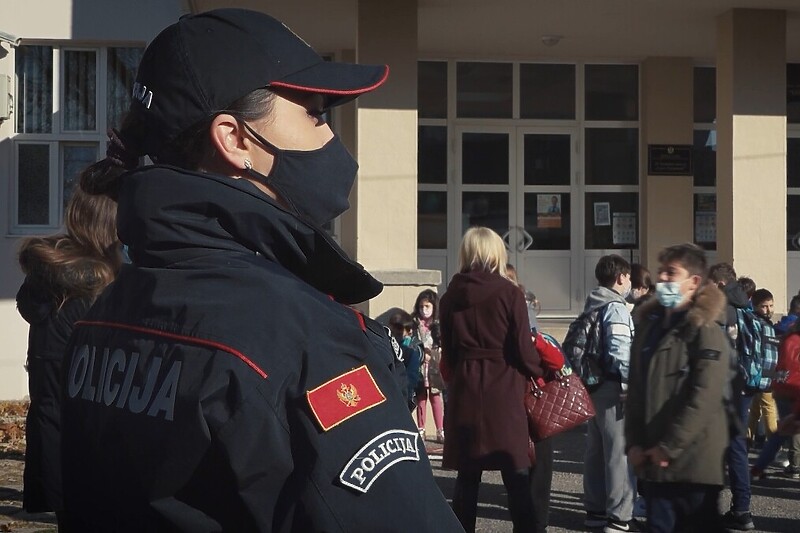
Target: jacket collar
{"points": [[708, 307], [167, 215]]}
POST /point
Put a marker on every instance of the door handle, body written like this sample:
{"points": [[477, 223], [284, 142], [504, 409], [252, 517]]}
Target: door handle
{"points": [[527, 240], [504, 236]]}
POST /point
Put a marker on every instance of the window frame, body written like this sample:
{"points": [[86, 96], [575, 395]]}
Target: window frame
{"points": [[58, 137]]}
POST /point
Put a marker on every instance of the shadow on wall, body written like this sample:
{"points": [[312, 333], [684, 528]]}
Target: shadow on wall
{"points": [[383, 318]]}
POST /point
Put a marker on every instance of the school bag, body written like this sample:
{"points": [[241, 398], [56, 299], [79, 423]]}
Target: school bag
{"points": [[583, 347], [787, 372], [757, 347]]}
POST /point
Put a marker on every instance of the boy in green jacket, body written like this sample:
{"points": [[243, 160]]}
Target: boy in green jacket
{"points": [[676, 426]]}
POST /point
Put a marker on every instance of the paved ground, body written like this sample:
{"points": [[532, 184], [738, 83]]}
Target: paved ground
{"points": [[775, 502], [775, 505]]}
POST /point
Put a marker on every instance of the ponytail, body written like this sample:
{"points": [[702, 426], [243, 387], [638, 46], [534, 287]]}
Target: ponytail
{"points": [[122, 155]]}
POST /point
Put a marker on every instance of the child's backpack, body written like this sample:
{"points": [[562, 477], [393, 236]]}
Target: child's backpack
{"points": [[787, 372], [583, 347], [757, 347]]}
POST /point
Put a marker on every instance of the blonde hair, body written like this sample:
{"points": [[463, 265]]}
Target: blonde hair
{"points": [[482, 249]]}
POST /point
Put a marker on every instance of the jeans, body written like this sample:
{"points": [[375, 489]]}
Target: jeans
{"points": [[607, 484], [520, 506], [682, 507], [738, 465]]}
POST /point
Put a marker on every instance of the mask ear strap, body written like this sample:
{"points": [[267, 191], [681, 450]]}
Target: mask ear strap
{"points": [[274, 150]]}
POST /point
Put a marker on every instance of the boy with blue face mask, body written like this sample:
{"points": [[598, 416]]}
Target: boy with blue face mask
{"points": [[676, 428]]}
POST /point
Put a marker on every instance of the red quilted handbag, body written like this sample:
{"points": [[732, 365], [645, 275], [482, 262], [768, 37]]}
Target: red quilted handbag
{"points": [[560, 405]]}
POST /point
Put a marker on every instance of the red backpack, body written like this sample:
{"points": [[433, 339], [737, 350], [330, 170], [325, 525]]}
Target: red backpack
{"points": [[786, 383]]}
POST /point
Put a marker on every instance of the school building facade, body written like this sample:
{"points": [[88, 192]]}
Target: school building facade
{"points": [[574, 129]]}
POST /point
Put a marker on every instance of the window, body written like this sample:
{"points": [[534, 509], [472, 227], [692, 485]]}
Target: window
{"points": [[793, 93], [704, 158], [705, 94], [793, 191], [484, 90], [612, 92], [612, 156], [67, 97], [547, 91], [432, 89]]}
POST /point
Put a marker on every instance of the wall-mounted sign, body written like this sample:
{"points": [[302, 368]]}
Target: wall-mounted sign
{"points": [[669, 159]]}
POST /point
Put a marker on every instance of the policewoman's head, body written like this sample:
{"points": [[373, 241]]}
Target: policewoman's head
{"points": [[236, 92]]}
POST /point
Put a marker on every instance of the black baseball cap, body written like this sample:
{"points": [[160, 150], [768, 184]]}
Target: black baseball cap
{"points": [[200, 65]]}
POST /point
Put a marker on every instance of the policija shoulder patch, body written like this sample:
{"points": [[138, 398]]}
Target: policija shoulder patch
{"points": [[344, 397], [377, 456]]}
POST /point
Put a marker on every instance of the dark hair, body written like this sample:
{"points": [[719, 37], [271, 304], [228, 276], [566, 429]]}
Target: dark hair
{"points": [[401, 320], [82, 261], [640, 278], [187, 150], [430, 296], [609, 268], [690, 256], [747, 285], [511, 273], [760, 296], [722, 273], [794, 305]]}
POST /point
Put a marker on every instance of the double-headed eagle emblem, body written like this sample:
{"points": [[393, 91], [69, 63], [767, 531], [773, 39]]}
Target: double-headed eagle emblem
{"points": [[348, 395]]}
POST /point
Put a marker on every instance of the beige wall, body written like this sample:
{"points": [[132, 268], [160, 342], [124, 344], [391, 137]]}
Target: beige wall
{"points": [[387, 138], [751, 147], [86, 22], [667, 117]]}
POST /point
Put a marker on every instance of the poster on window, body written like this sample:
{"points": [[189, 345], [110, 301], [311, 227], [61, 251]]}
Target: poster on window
{"points": [[548, 211], [705, 218], [602, 214], [623, 228], [705, 227]]}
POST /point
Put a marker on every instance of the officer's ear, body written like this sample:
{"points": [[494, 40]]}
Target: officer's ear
{"points": [[226, 135]]}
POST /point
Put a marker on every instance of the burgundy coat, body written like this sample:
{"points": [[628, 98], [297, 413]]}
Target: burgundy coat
{"points": [[488, 352]]}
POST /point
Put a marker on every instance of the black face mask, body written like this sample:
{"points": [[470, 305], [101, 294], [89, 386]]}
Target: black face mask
{"points": [[315, 184]]}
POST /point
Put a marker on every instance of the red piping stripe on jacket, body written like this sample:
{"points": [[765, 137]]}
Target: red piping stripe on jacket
{"points": [[174, 336]]}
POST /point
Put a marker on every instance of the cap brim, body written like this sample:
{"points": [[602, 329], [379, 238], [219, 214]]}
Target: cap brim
{"points": [[339, 82]]}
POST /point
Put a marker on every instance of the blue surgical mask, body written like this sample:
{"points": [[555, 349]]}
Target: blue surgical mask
{"points": [[626, 293], [669, 293], [407, 341]]}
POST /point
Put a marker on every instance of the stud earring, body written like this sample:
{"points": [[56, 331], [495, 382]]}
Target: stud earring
{"points": [[248, 165]]}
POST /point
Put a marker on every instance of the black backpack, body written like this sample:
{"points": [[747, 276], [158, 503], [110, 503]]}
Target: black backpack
{"points": [[583, 347]]}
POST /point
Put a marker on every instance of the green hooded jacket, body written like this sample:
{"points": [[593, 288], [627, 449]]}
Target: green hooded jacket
{"points": [[678, 405]]}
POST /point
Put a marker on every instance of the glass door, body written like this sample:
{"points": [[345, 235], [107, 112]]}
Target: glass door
{"points": [[484, 194], [521, 182], [548, 207]]}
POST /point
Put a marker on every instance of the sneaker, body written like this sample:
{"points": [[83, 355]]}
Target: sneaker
{"points": [[594, 519], [621, 525], [738, 521], [757, 474], [422, 433], [792, 472], [440, 436], [781, 460]]}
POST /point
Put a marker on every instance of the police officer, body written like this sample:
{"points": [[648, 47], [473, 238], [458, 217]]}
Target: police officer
{"points": [[223, 383]]}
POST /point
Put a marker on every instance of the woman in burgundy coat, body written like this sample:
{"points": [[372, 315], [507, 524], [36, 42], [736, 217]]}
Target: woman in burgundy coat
{"points": [[487, 357]]}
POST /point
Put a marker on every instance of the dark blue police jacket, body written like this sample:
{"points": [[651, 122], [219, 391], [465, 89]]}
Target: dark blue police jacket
{"points": [[221, 384]]}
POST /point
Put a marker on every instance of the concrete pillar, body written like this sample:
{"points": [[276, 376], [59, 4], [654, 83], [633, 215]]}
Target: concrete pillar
{"points": [[381, 229], [667, 118], [751, 146]]}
